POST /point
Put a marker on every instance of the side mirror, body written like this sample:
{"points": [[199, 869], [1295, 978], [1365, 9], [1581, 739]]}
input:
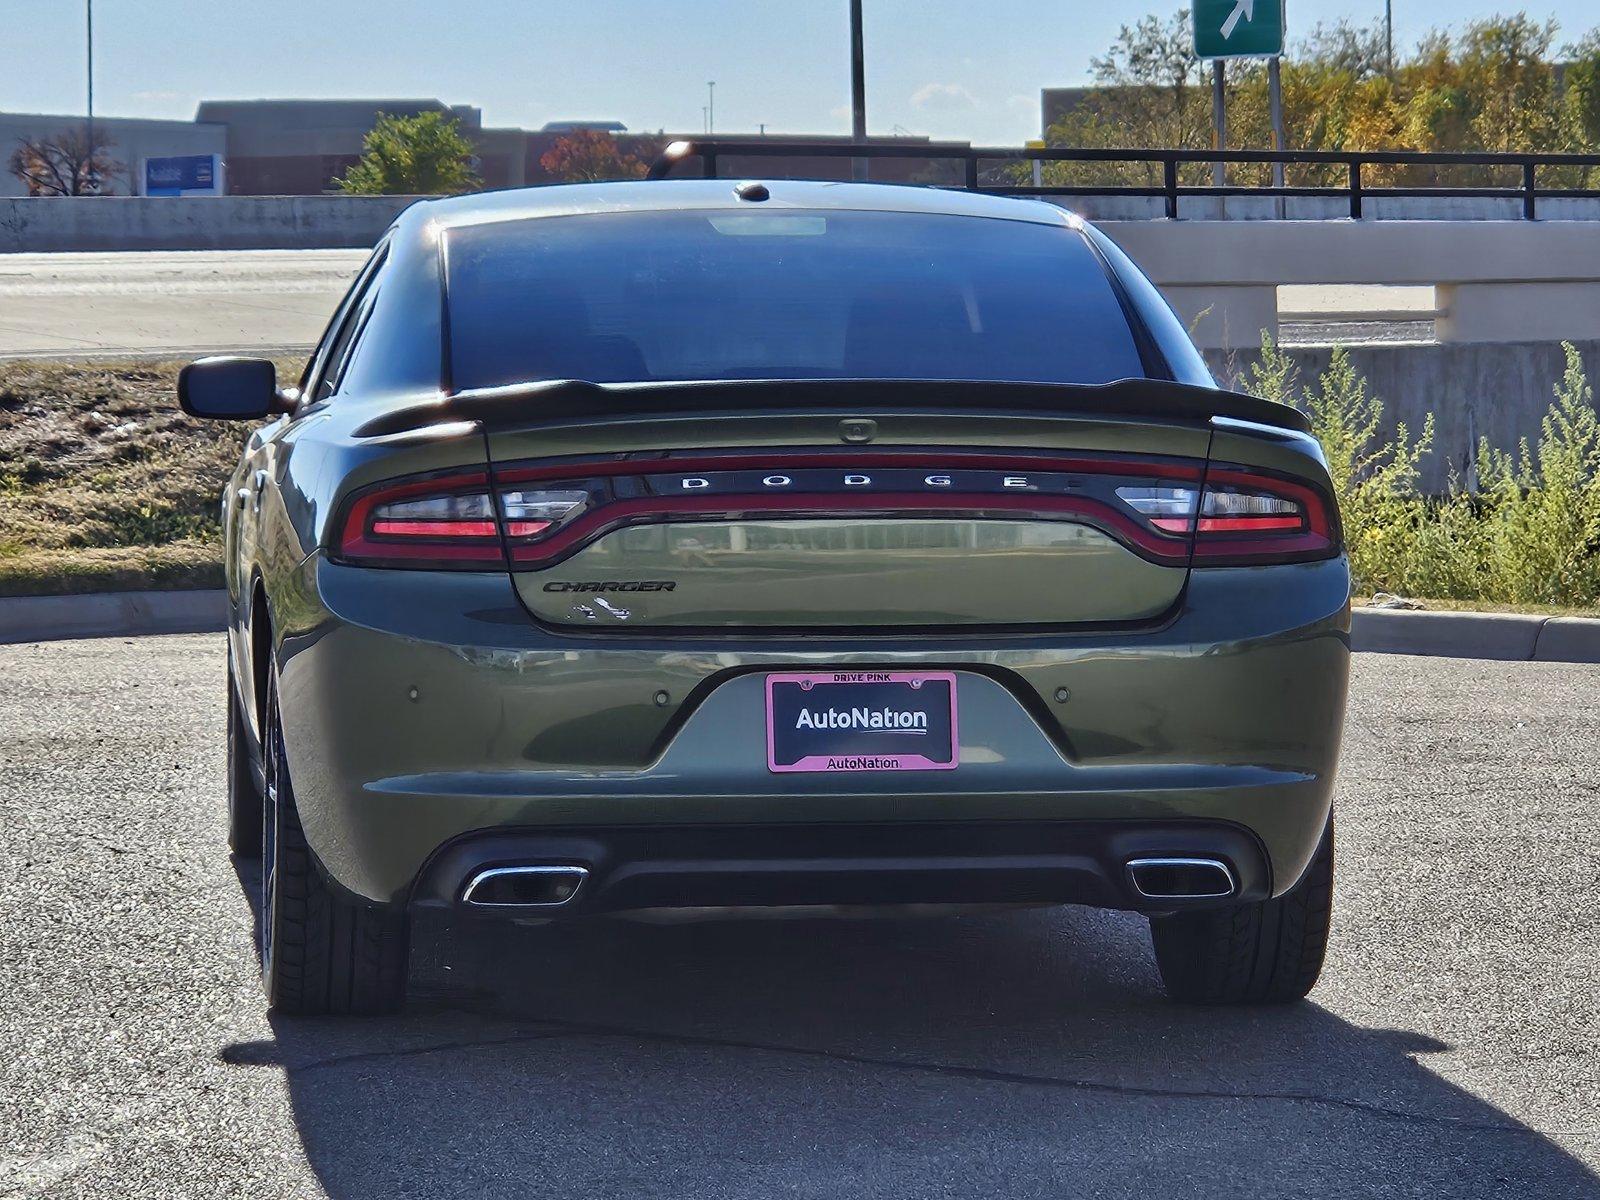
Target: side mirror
{"points": [[231, 389]]}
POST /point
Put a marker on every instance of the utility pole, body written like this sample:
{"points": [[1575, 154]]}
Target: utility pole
{"points": [[711, 106], [1219, 121], [91, 183], [1388, 35], [858, 88]]}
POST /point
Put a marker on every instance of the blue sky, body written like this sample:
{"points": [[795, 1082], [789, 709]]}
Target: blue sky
{"points": [[940, 67]]}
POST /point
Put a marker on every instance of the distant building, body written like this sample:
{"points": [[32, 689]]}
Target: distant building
{"points": [[132, 141], [302, 147], [573, 126], [915, 169], [1057, 102]]}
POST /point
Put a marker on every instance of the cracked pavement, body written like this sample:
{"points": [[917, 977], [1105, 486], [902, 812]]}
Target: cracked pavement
{"points": [[1449, 1050]]}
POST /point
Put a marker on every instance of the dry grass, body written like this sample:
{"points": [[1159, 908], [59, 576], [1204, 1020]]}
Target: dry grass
{"points": [[104, 483]]}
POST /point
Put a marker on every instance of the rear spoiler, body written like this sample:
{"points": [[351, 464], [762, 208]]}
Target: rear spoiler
{"points": [[567, 398]]}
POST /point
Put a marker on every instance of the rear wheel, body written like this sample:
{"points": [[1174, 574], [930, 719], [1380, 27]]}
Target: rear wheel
{"points": [[321, 951], [1268, 952], [244, 792]]}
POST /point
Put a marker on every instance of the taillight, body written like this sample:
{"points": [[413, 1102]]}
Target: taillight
{"points": [[1246, 517], [532, 514], [451, 521], [1170, 509], [443, 520], [1239, 517]]}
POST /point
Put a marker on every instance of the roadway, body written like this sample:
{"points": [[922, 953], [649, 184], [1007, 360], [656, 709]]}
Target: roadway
{"points": [[1449, 1051], [193, 302]]}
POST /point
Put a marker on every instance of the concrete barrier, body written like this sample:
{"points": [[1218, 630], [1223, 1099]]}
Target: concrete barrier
{"points": [[1498, 392], [51, 226], [111, 614], [1496, 281], [1499, 637]]}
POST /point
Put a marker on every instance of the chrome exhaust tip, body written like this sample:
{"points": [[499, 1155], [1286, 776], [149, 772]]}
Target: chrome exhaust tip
{"points": [[1181, 878], [524, 887]]}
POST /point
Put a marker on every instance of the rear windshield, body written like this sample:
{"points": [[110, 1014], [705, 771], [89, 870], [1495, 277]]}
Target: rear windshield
{"points": [[775, 294]]}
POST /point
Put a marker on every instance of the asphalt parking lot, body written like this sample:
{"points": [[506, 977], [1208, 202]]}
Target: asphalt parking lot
{"points": [[1449, 1051]]}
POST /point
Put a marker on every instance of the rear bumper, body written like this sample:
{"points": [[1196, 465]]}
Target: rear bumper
{"points": [[1006, 862], [425, 712]]}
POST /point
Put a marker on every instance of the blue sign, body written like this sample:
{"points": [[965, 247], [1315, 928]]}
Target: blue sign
{"points": [[181, 174]]}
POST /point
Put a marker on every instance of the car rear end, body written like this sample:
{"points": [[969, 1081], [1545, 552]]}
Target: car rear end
{"points": [[818, 557]]}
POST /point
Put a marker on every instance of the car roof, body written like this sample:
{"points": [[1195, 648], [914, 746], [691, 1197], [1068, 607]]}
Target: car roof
{"points": [[679, 195]]}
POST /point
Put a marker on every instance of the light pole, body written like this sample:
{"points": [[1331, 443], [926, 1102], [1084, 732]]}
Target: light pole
{"points": [[858, 88], [711, 106], [90, 183]]}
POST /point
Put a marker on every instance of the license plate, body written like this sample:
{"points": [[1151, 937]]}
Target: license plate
{"points": [[862, 721]]}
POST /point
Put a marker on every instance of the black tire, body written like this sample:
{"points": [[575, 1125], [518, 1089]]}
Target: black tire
{"points": [[322, 951], [1268, 952], [244, 791]]}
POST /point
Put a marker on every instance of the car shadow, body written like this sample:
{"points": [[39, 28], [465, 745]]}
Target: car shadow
{"points": [[1009, 1054]]}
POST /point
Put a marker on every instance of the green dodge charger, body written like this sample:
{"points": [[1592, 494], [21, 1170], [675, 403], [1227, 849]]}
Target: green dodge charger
{"points": [[686, 544]]}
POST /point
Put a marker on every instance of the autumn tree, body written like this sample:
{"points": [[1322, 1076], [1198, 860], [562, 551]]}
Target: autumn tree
{"points": [[63, 164], [421, 155], [1493, 86], [589, 156]]}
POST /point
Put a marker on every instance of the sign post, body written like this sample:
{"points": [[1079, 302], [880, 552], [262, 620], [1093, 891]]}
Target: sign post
{"points": [[1225, 29]]}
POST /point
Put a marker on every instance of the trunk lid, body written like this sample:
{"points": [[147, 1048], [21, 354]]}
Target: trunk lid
{"points": [[846, 506]]}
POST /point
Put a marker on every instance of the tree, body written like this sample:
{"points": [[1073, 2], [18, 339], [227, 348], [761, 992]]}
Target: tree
{"points": [[589, 156], [1356, 49], [422, 155], [1582, 89], [1505, 65], [62, 164], [1149, 90], [1494, 86]]}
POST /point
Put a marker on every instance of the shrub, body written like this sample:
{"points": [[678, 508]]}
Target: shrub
{"points": [[1544, 504], [1529, 535]]}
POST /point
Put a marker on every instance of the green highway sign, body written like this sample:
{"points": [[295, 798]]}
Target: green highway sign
{"points": [[1238, 28]]}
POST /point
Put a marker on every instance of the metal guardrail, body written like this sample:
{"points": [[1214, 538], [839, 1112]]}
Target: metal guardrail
{"points": [[711, 152]]}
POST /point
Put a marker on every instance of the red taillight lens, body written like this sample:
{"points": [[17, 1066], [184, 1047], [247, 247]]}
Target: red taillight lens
{"points": [[1239, 517], [1169, 507], [451, 521], [443, 520], [1235, 510], [439, 518], [1246, 517]]}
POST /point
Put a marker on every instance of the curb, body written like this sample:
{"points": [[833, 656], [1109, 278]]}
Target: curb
{"points": [[1503, 637], [112, 614]]}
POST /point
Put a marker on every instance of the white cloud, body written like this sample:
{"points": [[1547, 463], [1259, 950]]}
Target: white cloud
{"points": [[943, 97], [1020, 103], [158, 97], [843, 112]]}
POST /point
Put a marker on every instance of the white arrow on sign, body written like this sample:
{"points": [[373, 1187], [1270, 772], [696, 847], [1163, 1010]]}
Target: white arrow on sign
{"points": [[1241, 8]]}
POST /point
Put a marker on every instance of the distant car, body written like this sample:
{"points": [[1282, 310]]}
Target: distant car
{"points": [[671, 544]]}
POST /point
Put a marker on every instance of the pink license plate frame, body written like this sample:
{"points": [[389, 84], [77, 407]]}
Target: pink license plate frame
{"points": [[834, 764]]}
